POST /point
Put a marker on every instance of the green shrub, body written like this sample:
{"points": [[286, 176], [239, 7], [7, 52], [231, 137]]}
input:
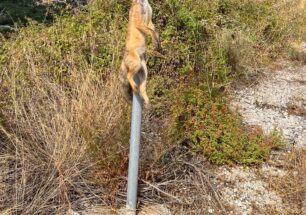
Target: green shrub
{"points": [[19, 11], [207, 124], [224, 39], [212, 44], [158, 91]]}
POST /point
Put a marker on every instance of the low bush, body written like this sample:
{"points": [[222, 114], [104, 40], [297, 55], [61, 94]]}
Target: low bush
{"points": [[207, 124]]}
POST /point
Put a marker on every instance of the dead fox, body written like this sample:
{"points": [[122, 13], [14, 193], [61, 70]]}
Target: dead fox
{"points": [[134, 61]]}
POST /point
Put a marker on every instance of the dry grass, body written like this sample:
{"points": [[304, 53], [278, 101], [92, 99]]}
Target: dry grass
{"points": [[62, 116], [184, 182], [46, 150], [292, 186]]}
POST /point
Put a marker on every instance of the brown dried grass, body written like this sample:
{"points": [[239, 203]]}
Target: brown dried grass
{"points": [[184, 182], [47, 140], [292, 186]]}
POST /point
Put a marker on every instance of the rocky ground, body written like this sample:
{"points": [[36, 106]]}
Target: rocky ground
{"points": [[278, 101]]}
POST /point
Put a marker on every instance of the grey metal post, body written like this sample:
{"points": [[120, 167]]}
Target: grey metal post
{"points": [[134, 154]]}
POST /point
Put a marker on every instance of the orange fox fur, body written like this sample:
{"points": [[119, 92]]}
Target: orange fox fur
{"points": [[134, 61]]}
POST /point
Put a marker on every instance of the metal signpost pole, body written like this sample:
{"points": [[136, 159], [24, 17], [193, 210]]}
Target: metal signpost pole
{"points": [[134, 155]]}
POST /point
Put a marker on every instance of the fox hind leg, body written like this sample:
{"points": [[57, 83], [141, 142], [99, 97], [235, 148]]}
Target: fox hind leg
{"points": [[133, 85], [125, 85], [143, 83], [133, 67]]}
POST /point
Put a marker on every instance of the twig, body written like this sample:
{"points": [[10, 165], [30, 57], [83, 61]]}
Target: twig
{"points": [[157, 54], [163, 192], [217, 197], [63, 187]]}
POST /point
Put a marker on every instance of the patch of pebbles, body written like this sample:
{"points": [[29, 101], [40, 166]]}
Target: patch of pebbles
{"points": [[244, 190], [277, 102]]}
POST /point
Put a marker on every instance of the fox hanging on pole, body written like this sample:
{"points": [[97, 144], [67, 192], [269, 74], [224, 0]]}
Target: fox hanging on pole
{"points": [[134, 61]]}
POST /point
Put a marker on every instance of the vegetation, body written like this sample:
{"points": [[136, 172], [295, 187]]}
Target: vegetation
{"points": [[64, 121], [62, 108], [211, 127], [18, 11], [292, 184], [210, 45]]}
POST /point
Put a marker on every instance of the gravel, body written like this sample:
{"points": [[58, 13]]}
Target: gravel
{"points": [[277, 102], [244, 190]]}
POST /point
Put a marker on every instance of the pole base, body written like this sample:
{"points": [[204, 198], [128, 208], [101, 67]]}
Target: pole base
{"points": [[129, 211]]}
